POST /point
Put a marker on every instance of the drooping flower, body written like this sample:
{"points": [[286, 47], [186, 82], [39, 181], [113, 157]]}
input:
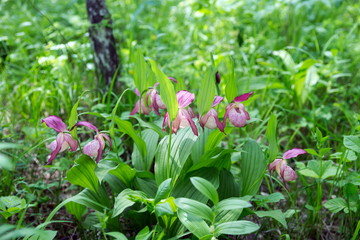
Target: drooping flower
{"points": [[63, 140], [217, 77], [139, 103], [236, 111], [95, 147], [153, 100], [210, 119], [184, 116], [285, 172]]}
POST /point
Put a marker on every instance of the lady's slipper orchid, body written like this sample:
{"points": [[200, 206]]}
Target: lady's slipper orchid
{"points": [[96, 147], [236, 111], [285, 172], [139, 103], [153, 100], [184, 117], [210, 119], [63, 140]]}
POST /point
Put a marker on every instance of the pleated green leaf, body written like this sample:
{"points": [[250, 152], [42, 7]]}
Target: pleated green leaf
{"points": [[167, 91], [83, 173], [253, 166], [271, 134], [206, 188], [170, 166], [195, 208], [194, 224], [140, 70], [206, 93], [236, 228]]}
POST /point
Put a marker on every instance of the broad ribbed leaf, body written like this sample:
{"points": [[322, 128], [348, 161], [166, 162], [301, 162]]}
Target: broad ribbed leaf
{"points": [[167, 91], [124, 172], [206, 93], [336, 205], [236, 228], [122, 201], [271, 134], [126, 127], [232, 203], [253, 166], [206, 188], [195, 208], [76, 209], [278, 215], [117, 235], [144, 234], [194, 224], [150, 138], [215, 138], [180, 149], [231, 90], [163, 190], [352, 143], [83, 173], [140, 69], [74, 118]]}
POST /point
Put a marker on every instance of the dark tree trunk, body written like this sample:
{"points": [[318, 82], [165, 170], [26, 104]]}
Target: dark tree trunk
{"points": [[106, 59]]}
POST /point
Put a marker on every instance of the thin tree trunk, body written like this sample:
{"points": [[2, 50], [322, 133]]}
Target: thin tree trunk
{"points": [[106, 59]]}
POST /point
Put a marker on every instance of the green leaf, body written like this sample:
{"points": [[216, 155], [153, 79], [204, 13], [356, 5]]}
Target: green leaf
{"points": [[206, 93], [231, 204], [122, 201], [352, 143], [124, 172], [236, 228], [206, 188], [165, 207], [276, 214], [335, 205], [83, 173], [195, 208], [287, 59], [150, 138], [231, 90], [272, 198], [163, 190], [194, 224], [9, 232], [215, 138], [76, 209], [144, 234], [140, 69], [74, 118], [351, 193], [11, 205], [253, 166], [127, 128], [271, 134], [167, 91], [180, 149], [319, 169], [117, 235]]}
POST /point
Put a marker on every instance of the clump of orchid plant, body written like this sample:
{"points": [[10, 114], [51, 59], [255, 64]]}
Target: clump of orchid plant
{"points": [[64, 140], [285, 172]]}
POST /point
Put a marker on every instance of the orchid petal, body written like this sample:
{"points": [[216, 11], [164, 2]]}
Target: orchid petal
{"points": [[154, 104], [101, 148], [59, 143], [136, 108], [243, 97], [87, 124], [91, 148], [173, 79], [204, 119], [186, 120], [176, 123], [273, 165], [217, 100], [237, 117], [72, 143], [293, 153], [185, 98], [166, 121], [288, 174], [136, 91], [55, 123], [107, 138]]}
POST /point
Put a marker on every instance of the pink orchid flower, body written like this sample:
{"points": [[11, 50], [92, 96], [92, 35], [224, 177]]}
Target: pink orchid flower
{"points": [[285, 172], [210, 119], [95, 147], [139, 103], [153, 100], [236, 111], [63, 140], [185, 116]]}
